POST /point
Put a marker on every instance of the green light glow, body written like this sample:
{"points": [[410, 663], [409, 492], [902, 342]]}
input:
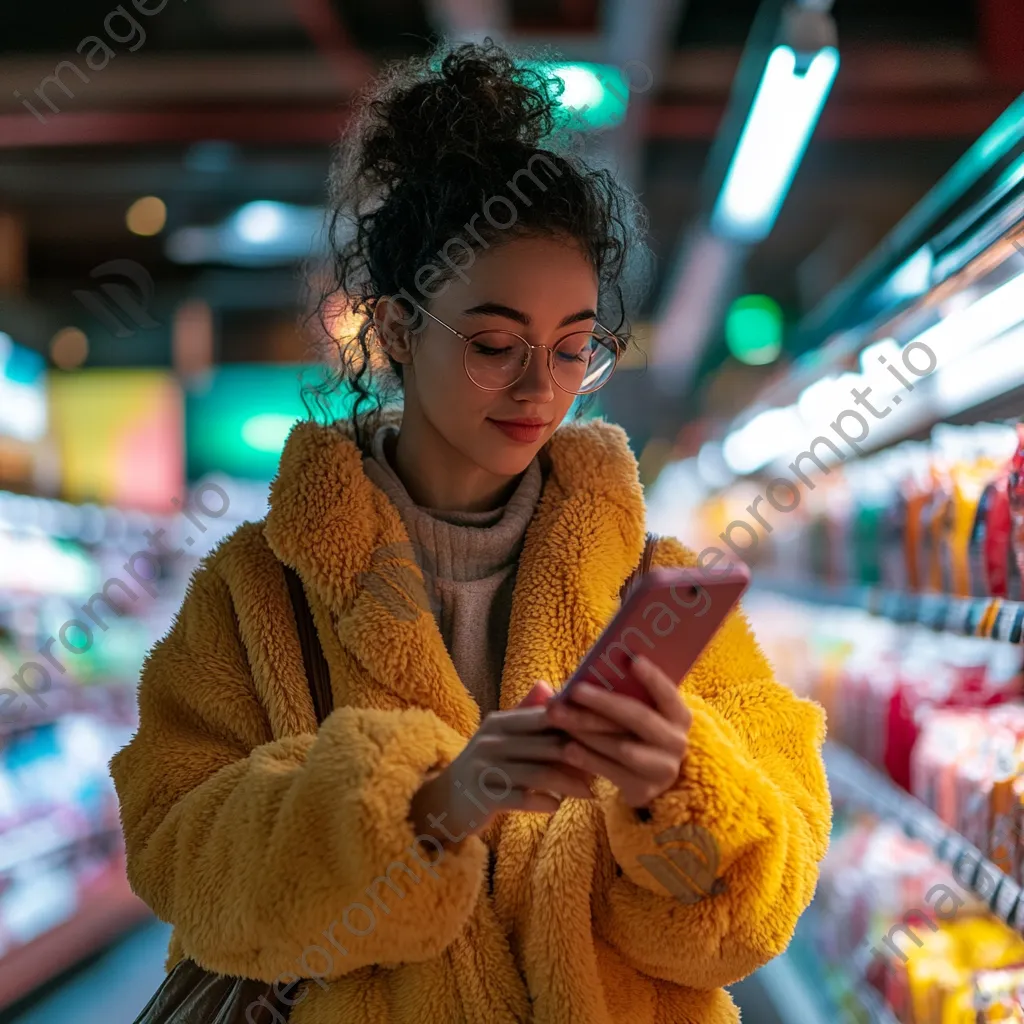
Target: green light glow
{"points": [[595, 95], [753, 329], [267, 431], [237, 419]]}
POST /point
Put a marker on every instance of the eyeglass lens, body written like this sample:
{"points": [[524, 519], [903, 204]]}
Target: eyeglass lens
{"points": [[580, 362]]}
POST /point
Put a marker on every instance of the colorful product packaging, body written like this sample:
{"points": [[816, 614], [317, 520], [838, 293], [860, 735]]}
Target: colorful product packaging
{"points": [[1015, 491]]}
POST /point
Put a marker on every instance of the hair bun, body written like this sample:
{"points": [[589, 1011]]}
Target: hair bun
{"points": [[474, 105]]}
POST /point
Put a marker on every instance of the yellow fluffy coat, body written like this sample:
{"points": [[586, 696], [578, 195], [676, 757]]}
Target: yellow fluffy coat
{"points": [[258, 838]]}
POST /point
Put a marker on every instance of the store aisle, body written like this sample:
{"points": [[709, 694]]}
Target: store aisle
{"points": [[112, 988]]}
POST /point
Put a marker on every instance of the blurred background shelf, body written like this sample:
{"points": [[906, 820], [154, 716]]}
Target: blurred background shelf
{"points": [[803, 989], [995, 618], [105, 910], [853, 780]]}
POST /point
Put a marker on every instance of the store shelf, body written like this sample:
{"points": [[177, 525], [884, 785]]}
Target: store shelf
{"points": [[106, 910], [990, 617], [791, 993], [804, 989], [853, 780], [113, 700]]}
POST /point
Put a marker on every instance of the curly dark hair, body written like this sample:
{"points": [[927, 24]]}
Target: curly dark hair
{"points": [[432, 142]]}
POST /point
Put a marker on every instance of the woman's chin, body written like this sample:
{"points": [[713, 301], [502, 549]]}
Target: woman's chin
{"points": [[504, 464]]}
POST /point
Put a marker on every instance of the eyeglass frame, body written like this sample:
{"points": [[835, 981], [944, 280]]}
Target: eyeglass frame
{"points": [[619, 346]]}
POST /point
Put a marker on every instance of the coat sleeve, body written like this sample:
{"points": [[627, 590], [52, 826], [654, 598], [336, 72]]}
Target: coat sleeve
{"points": [[710, 886], [277, 857]]}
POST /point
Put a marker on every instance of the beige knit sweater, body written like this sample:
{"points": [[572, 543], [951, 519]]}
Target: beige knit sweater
{"points": [[469, 562]]}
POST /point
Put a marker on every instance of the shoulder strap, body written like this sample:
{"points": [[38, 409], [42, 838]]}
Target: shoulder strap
{"points": [[643, 567], [317, 674]]}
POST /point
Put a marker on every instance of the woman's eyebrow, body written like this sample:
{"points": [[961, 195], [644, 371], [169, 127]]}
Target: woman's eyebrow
{"points": [[500, 309]]}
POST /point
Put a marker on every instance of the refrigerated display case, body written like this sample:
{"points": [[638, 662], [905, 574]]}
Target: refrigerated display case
{"points": [[876, 485]]}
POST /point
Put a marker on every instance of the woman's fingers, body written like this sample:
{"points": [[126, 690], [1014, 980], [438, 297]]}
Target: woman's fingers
{"points": [[626, 713], [539, 695], [637, 790], [566, 714], [547, 778], [519, 721], [639, 759], [544, 748], [664, 692], [528, 800]]}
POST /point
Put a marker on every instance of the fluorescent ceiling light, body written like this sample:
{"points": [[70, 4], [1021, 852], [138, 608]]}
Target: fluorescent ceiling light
{"points": [[997, 368], [768, 435], [912, 278], [782, 118], [821, 402], [260, 233], [261, 222], [871, 357], [986, 318]]}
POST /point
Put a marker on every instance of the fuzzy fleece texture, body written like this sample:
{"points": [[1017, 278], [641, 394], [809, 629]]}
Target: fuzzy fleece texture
{"points": [[255, 835]]}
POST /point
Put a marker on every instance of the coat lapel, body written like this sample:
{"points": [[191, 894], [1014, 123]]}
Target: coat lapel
{"points": [[348, 544], [582, 542], [586, 536]]}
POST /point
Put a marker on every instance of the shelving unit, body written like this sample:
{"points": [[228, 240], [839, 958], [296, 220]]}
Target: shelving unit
{"points": [[62, 870], [990, 617], [853, 780], [803, 989], [106, 910]]}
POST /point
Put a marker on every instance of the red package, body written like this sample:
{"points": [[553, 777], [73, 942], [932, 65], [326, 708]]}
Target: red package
{"points": [[1015, 488], [965, 686], [1000, 573]]}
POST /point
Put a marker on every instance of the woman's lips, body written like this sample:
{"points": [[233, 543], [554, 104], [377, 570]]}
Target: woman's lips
{"points": [[520, 431]]}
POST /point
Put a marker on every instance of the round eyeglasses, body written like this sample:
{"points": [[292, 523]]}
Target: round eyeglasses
{"points": [[580, 362]]}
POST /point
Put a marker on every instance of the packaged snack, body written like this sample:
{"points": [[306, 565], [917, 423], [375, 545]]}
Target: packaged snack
{"points": [[916, 498], [1003, 828], [969, 482], [999, 994], [977, 546], [893, 527], [935, 530], [1015, 491], [866, 535]]}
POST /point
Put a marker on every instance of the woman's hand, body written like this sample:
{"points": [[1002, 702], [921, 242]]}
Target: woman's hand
{"points": [[515, 761], [638, 748]]}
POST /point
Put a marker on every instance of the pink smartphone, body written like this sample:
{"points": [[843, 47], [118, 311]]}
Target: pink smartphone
{"points": [[670, 617]]}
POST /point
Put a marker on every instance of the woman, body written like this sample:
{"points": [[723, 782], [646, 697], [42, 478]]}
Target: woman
{"points": [[449, 846]]}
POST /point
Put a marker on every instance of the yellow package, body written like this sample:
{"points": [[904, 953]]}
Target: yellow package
{"points": [[968, 483]]}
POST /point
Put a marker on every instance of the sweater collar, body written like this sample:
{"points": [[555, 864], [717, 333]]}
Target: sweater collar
{"points": [[346, 539], [458, 545]]}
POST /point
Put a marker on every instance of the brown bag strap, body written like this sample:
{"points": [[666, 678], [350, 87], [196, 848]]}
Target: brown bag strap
{"points": [[318, 675], [642, 568]]}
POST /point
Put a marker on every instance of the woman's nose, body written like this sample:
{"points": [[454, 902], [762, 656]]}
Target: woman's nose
{"points": [[537, 382]]}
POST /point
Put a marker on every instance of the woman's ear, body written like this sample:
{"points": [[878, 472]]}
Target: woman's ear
{"points": [[392, 325]]}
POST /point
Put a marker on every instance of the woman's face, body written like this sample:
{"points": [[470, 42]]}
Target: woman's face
{"points": [[539, 288]]}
